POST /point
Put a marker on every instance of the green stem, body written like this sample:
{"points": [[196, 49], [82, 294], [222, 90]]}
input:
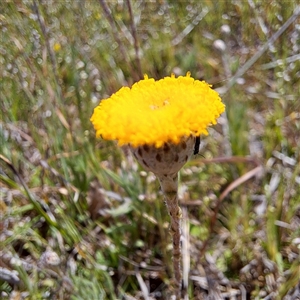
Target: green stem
{"points": [[169, 185]]}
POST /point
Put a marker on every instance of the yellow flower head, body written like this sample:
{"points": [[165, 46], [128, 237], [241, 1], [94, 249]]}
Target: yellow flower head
{"points": [[56, 47], [153, 112]]}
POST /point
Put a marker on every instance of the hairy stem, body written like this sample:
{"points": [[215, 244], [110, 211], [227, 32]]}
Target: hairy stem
{"points": [[169, 185]]}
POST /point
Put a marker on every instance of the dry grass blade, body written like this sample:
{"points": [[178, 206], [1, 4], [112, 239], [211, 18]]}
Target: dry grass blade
{"points": [[116, 36], [186, 256], [37, 205], [135, 38], [45, 32], [260, 52], [257, 171]]}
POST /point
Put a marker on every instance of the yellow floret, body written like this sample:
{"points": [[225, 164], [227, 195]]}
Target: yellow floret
{"points": [[153, 112]]}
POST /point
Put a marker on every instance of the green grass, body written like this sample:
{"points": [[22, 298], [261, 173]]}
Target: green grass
{"points": [[87, 200]]}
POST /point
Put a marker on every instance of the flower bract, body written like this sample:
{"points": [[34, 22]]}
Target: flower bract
{"points": [[153, 112]]}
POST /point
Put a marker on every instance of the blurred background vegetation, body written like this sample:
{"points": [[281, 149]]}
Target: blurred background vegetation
{"points": [[80, 219]]}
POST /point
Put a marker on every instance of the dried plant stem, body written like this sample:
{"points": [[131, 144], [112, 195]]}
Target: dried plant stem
{"points": [[169, 185], [45, 32], [241, 71], [135, 38], [110, 18]]}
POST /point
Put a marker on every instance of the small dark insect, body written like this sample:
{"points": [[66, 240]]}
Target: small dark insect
{"points": [[197, 145]]}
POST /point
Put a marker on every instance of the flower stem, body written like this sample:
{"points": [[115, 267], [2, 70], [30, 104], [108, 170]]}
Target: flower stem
{"points": [[169, 185]]}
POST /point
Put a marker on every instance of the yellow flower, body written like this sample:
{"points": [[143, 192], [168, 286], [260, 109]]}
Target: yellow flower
{"points": [[56, 47], [154, 112]]}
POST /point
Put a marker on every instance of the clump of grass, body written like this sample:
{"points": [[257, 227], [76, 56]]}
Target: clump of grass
{"points": [[90, 203]]}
